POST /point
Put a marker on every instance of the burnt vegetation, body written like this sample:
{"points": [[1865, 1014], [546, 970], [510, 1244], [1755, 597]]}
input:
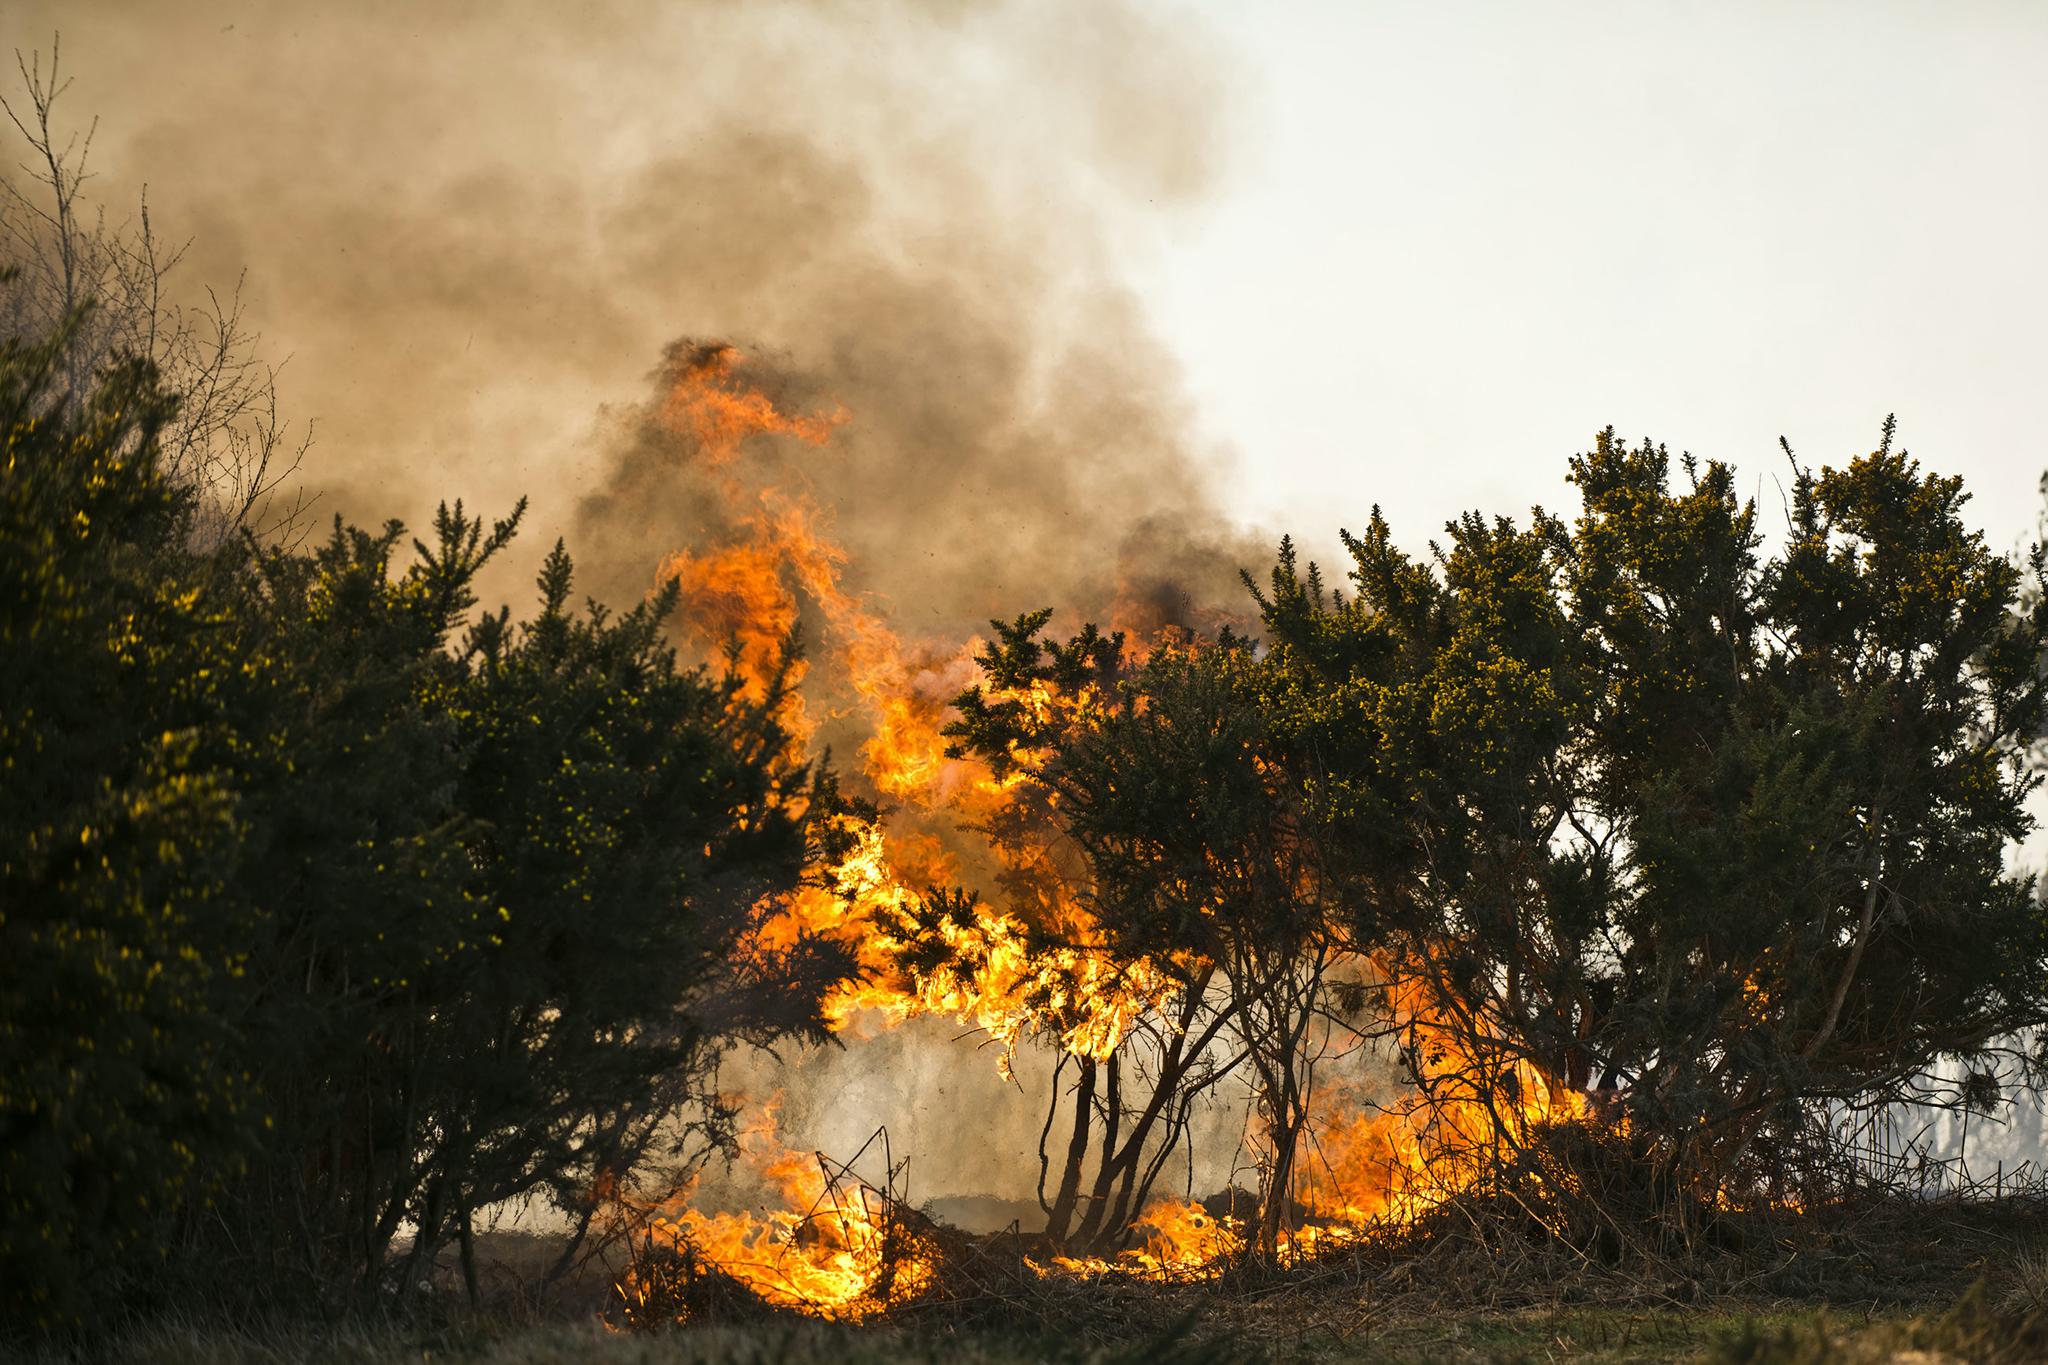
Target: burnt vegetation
{"points": [[336, 912]]}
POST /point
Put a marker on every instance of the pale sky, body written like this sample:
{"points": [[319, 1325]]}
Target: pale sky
{"points": [[1455, 239]]}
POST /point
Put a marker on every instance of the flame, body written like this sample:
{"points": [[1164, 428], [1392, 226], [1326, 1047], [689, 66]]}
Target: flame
{"points": [[1391, 1163], [709, 402], [836, 1248], [747, 595], [991, 979], [1181, 1241]]}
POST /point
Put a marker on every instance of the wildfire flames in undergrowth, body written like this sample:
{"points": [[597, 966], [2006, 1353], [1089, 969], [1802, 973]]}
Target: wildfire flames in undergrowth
{"points": [[847, 1247]]}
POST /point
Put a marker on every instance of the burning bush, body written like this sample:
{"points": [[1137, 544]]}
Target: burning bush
{"points": [[1561, 824], [1639, 855], [1709, 840]]}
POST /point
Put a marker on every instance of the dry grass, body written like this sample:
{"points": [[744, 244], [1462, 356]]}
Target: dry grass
{"points": [[1294, 1326], [1974, 1329], [2026, 1285], [1482, 1279], [796, 1343]]}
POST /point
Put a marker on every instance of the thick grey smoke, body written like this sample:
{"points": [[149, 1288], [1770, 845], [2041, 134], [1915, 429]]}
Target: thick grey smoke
{"points": [[473, 226], [477, 228]]}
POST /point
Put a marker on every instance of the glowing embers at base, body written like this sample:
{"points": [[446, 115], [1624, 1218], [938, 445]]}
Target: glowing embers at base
{"points": [[841, 1247]]}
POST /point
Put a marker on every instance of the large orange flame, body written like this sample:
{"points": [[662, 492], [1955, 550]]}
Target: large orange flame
{"points": [[822, 1252]]}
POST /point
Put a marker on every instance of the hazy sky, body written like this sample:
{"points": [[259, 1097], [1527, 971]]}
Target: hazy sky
{"points": [[1413, 254], [1455, 239]]}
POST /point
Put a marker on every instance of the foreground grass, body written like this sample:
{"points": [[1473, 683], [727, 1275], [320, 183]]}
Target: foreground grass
{"points": [[1974, 1329], [794, 1343], [1926, 1285]]}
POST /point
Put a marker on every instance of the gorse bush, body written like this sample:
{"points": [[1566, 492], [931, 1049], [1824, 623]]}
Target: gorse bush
{"points": [[123, 1098], [1615, 804], [327, 913]]}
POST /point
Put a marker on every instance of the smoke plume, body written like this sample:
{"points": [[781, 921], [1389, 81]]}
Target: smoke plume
{"points": [[474, 227]]}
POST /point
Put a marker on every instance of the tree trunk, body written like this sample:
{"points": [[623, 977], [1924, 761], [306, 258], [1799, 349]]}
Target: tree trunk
{"points": [[1062, 1212], [467, 1232], [1276, 1214], [1105, 1164]]}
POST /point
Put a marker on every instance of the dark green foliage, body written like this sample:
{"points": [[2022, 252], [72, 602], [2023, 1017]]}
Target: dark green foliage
{"points": [[505, 894], [1617, 803], [633, 822], [1724, 832], [322, 920], [120, 1098], [1814, 766], [356, 877]]}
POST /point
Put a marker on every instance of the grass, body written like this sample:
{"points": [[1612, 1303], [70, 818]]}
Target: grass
{"points": [[796, 1343], [1725, 1334], [1911, 1282]]}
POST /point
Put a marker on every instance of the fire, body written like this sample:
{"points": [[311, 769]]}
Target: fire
{"points": [[1181, 1241], [1395, 1162], [711, 403], [1005, 987], [838, 1248], [746, 596]]}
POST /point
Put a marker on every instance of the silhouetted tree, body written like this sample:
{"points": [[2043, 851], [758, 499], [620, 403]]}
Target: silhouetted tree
{"points": [[1725, 834], [328, 914], [122, 1099]]}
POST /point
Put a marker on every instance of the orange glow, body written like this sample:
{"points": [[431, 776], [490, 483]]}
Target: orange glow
{"points": [[751, 593], [836, 1248], [1395, 1162], [711, 403], [1180, 1241]]}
